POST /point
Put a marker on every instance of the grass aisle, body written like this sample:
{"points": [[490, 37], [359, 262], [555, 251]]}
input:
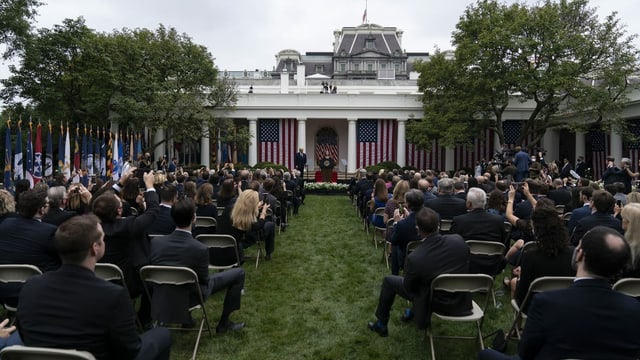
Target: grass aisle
{"points": [[312, 300]]}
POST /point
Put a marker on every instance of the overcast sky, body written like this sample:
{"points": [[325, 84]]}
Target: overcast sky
{"points": [[246, 34]]}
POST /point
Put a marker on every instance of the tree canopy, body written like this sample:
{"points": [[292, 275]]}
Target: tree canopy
{"points": [[559, 57], [138, 78], [15, 24]]}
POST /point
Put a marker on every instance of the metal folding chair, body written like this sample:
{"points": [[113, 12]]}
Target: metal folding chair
{"points": [[173, 286], [220, 244], [629, 286], [16, 274], [489, 250], [457, 283], [19, 352]]}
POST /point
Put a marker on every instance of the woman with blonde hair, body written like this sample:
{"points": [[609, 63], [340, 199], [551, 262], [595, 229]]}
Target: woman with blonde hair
{"points": [[397, 198], [247, 218], [631, 226], [7, 205]]}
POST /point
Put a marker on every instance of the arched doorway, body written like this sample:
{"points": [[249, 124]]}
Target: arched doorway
{"points": [[326, 140]]}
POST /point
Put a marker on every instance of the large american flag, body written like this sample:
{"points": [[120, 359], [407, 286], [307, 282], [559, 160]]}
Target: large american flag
{"points": [[511, 130], [376, 141], [277, 141], [432, 158], [599, 149], [633, 147], [326, 140], [483, 147]]}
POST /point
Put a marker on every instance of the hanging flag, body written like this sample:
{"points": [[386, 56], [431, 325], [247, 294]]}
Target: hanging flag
{"points": [[29, 161], [76, 151], [48, 160], [131, 156], [18, 169], [277, 141], [120, 155], [37, 158], [138, 146], [115, 167], [103, 155], [83, 154], [376, 141], [96, 154], [7, 157], [66, 168], [61, 149], [90, 153], [364, 16], [109, 156]]}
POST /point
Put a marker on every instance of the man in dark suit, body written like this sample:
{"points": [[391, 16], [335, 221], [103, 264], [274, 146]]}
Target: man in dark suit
{"points": [[438, 254], [601, 203], [180, 249], [126, 243], [425, 187], [300, 161], [57, 198], [565, 172], [163, 223], [583, 211], [588, 320], [404, 231], [446, 204], [521, 161], [27, 240], [73, 309], [478, 224], [559, 194]]}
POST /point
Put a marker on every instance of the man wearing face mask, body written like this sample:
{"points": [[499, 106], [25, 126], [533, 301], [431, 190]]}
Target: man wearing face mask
{"points": [[587, 320]]}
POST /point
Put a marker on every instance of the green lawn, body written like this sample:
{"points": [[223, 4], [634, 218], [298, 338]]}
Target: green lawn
{"points": [[313, 299]]}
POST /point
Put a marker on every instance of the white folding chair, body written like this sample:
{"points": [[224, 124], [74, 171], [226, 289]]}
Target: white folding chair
{"points": [[220, 243], [445, 225], [19, 352], [629, 286], [462, 283], [171, 283], [538, 285], [16, 274], [490, 250]]}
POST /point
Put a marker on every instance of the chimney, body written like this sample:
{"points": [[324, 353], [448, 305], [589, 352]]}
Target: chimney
{"points": [[284, 81]]}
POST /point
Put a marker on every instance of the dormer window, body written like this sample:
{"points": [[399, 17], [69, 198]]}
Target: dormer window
{"points": [[370, 44], [319, 69]]}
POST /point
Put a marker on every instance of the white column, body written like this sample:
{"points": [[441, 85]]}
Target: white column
{"points": [[616, 144], [351, 146], [205, 147], [160, 150], [580, 145], [550, 142], [302, 133], [284, 82], [449, 161], [401, 157], [253, 145]]}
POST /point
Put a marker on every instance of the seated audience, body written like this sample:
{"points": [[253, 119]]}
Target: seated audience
{"points": [[163, 223], [180, 249], [404, 231], [7, 205], [437, 254], [447, 205], [71, 308], [57, 196], [379, 196], [588, 320], [478, 224], [602, 205]]}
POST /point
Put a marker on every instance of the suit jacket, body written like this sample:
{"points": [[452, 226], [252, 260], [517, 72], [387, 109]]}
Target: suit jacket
{"points": [[163, 224], [57, 216], [521, 161], [180, 249], [300, 161], [479, 225], [126, 244], [593, 220], [436, 255], [565, 172], [28, 241], [560, 196], [404, 232], [72, 308], [586, 321], [448, 206], [577, 215]]}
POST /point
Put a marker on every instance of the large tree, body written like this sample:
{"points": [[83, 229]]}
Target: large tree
{"points": [[558, 56], [16, 17], [138, 78]]}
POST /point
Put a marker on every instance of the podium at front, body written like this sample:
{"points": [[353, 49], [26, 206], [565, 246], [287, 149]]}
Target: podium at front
{"points": [[326, 169]]}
